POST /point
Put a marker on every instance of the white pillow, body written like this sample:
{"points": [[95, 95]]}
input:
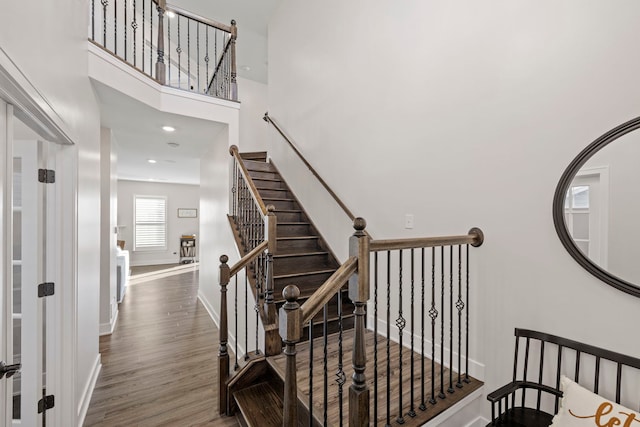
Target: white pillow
{"points": [[581, 408]]}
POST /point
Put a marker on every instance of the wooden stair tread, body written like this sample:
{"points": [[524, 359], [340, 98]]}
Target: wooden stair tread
{"points": [[306, 273], [260, 405], [254, 155], [300, 254], [298, 237], [268, 179], [278, 199]]}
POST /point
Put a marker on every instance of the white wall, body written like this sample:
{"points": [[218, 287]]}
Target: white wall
{"points": [[253, 130], [462, 115], [47, 43], [108, 209], [178, 196]]}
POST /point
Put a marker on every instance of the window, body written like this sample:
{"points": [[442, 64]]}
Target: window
{"points": [[150, 213]]}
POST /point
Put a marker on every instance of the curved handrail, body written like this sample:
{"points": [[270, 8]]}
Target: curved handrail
{"points": [[475, 238], [344, 207], [233, 150], [324, 293], [245, 260]]}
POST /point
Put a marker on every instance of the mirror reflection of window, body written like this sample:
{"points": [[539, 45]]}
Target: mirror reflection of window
{"points": [[584, 205], [577, 215]]}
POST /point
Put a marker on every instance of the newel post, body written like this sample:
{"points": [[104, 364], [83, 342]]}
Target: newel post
{"points": [[272, 341], [234, 71], [160, 67], [359, 294], [291, 333], [223, 354]]}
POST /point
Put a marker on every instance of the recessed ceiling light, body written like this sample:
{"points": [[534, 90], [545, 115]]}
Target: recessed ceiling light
{"points": [[168, 128], [173, 144], [245, 68], [171, 14], [151, 161]]}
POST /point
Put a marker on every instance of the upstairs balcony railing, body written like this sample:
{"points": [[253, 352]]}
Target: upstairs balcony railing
{"points": [[173, 46]]}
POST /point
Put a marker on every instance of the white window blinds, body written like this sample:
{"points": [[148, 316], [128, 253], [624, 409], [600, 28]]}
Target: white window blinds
{"points": [[151, 222]]}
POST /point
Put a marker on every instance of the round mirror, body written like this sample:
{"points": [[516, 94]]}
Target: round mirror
{"points": [[596, 208]]}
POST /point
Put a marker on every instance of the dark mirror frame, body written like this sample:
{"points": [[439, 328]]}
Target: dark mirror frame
{"points": [[558, 207]]}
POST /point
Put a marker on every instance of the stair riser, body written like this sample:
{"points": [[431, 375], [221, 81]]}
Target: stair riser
{"points": [[259, 166], [284, 265], [281, 204], [262, 183], [258, 156], [333, 326], [294, 230], [289, 217], [266, 175], [297, 245], [274, 193], [309, 281]]}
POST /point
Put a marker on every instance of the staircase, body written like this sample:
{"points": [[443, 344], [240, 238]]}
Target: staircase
{"points": [[334, 370], [302, 257]]}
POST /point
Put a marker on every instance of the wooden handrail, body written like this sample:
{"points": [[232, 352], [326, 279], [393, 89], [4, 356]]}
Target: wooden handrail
{"points": [[242, 263], [203, 20], [344, 207], [233, 150], [475, 238], [324, 293]]}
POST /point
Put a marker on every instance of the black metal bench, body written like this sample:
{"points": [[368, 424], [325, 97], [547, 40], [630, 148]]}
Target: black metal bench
{"points": [[516, 407]]}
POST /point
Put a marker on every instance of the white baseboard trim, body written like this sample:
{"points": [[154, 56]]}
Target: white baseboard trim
{"points": [[108, 328], [87, 393], [478, 422], [435, 422], [209, 307]]}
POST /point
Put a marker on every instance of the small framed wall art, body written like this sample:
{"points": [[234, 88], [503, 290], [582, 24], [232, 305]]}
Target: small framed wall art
{"points": [[187, 213]]}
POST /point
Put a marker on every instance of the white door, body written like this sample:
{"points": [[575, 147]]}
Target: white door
{"points": [[27, 306]]}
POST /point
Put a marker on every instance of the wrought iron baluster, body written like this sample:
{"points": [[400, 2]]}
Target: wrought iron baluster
{"points": [[466, 351], [423, 405], [168, 50], [433, 313], [257, 310], [115, 27], [105, 3], [93, 20], [375, 338], [325, 333], [459, 307], [151, 39], [179, 51], [412, 409], [311, 372], [246, 317], [134, 27], [198, 52], [215, 62], [236, 366], [450, 389], [143, 34], [341, 378], [400, 323], [388, 339], [125, 30], [189, 87], [206, 57], [442, 395]]}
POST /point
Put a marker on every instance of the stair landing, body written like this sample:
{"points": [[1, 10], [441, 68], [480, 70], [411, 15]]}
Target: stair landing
{"points": [[333, 407]]}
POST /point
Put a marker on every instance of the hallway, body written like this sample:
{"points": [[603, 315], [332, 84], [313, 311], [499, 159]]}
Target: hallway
{"points": [[159, 367]]}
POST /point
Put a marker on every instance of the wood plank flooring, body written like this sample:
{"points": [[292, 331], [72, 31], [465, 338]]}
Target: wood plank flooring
{"points": [[159, 367], [333, 407]]}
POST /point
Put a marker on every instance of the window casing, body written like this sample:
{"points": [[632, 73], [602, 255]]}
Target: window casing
{"points": [[150, 231]]}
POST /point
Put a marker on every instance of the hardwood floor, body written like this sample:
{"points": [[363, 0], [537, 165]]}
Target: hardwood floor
{"points": [[159, 367]]}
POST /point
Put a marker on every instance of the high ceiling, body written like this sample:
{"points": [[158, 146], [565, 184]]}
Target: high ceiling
{"points": [[137, 128]]}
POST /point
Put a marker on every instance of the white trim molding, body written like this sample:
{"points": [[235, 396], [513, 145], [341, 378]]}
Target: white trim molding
{"points": [[87, 393]]}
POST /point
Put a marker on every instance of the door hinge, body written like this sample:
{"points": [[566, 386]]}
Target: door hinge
{"points": [[46, 176], [46, 403], [46, 289]]}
